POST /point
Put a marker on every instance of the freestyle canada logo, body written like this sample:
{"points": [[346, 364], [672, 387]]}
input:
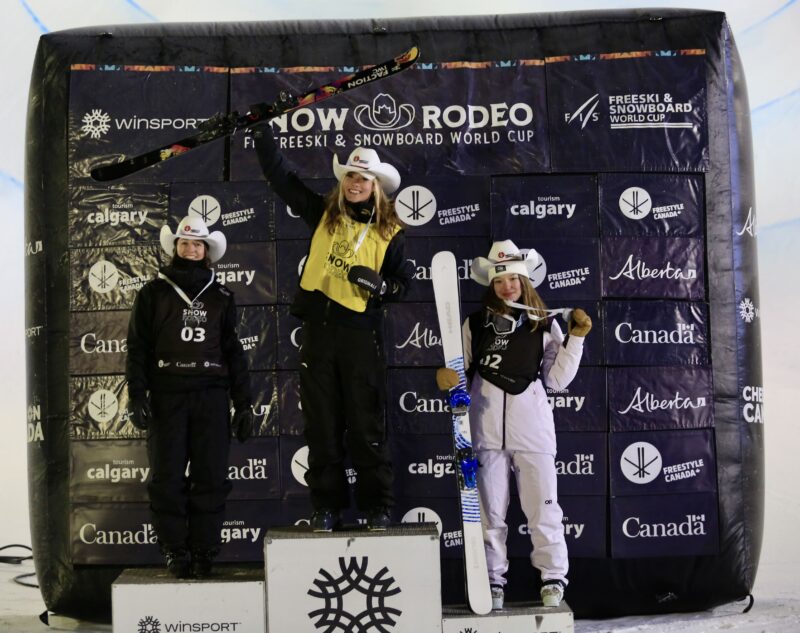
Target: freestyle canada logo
{"points": [[641, 463], [299, 467], [205, 207], [103, 405], [417, 206], [421, 514], [635, 203], [96, 123], [104, 277]]}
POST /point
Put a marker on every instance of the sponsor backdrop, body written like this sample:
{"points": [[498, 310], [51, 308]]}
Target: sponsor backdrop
{"points": [[597, 153]]}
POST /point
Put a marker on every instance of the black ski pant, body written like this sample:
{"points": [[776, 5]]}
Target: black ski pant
{"points": [[343, 395], [193, 426]]}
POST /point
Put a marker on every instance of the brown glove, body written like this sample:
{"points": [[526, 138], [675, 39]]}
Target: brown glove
{"points": [[446, 378], [579, 323]]}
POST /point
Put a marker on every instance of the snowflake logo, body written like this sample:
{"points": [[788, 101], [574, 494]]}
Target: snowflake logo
{"points": [[95, 123], [747, 310], [149, 624], [375, 615]]}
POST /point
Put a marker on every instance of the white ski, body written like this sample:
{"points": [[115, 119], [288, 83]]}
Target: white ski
{"points": [[444, 275]]}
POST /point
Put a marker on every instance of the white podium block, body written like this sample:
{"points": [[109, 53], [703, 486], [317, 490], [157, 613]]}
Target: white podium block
{"points": [[152, 600], [353, 580], [515, 618]]}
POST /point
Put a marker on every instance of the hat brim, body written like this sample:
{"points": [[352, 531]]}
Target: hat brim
{"points": [[484, 270], [215, 242], [386, 174]]}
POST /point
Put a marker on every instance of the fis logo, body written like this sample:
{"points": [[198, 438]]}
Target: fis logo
{"points": [[585, 113]]}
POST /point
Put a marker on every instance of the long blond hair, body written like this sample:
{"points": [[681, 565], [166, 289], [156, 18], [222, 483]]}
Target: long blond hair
{"points": [[529, 297], [386, 218]]}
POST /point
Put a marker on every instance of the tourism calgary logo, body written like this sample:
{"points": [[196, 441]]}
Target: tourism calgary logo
{"points": [[373, 611]]}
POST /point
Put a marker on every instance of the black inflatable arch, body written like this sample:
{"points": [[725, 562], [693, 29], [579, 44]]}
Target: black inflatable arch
{"points": [[707, 151]]}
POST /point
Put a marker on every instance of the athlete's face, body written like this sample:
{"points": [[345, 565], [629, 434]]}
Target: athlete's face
{"points": [[507, 287], [357, 188], [194, 250]]}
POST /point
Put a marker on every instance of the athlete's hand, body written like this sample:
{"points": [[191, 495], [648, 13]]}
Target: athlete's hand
{"points": [[140, 413], [579, 323], [446, 378], [368, 279], [243, 423]]}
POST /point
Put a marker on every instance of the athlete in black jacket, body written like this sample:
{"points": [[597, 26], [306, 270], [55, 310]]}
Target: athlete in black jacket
{"points": [[355, 262], [184, 352]]}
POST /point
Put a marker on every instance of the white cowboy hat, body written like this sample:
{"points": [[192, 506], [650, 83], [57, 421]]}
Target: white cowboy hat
{"points": [[193, 228], [504, 259], [365, 161]]}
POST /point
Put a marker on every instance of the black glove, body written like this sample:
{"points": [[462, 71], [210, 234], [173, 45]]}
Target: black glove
{"points": [[242, 423], [368, 279], [266, 148], [140, 413]]}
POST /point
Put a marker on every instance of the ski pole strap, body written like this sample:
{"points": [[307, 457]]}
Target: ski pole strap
{"points": [[565, 313]]}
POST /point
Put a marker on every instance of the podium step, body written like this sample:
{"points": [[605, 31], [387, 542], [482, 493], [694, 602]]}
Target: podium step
{"points": [[519, 617], [150, 599], [353, 580]]}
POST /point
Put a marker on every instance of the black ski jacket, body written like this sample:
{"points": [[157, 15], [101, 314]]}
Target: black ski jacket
{"points": [[141, 370]]}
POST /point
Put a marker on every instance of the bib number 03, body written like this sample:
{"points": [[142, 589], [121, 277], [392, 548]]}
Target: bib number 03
{"points": [[193, 334]]}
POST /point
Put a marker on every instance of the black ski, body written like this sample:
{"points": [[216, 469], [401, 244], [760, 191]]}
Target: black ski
{"points": [[221, 125]]}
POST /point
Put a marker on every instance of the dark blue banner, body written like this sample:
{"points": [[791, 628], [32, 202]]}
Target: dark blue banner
{"points": [[569, 269], [581, 463], [257, 330], [113, 534], [412, 335], [453, 207], [98, 342], [420, 251], [243, 211], [658, 398], [548, 205], [653, 267], [116, 215], [290, 338], [291, 258], [423, 466], [582, 405], [109, 470], [443, 512], [98, 408], [117, 112], [664, 525], [414, 403], [254, 469], [664, 462], [652, 204], [584, 527], [456, 118], [109, 278], [249, 271], [656, 333], [639, 111], [289, 225]]}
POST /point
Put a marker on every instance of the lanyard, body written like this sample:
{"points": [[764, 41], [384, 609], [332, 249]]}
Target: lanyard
{"points": [[565, 313], [363, 232], [181, 293]]}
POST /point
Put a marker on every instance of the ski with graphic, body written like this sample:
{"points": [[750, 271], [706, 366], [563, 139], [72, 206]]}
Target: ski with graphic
{"points": [[444, 275], [222, 125]]}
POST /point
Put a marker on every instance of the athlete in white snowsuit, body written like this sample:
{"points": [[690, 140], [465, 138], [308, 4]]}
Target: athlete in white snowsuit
{"points": [[511, 420]]}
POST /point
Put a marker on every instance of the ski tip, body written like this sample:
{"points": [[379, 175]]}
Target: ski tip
{"points": [[102, 174], [408, 57]]}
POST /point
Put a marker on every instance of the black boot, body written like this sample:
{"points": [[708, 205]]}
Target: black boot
{"points": [[325, 520], [378, 519], [177, 562], [202, 560]]}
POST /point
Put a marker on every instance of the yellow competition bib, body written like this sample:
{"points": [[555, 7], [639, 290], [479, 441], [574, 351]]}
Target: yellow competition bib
{"points": [[331, 256]]}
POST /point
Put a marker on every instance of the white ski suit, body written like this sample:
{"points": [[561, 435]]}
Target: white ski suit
{"points": [[516, 432]]}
